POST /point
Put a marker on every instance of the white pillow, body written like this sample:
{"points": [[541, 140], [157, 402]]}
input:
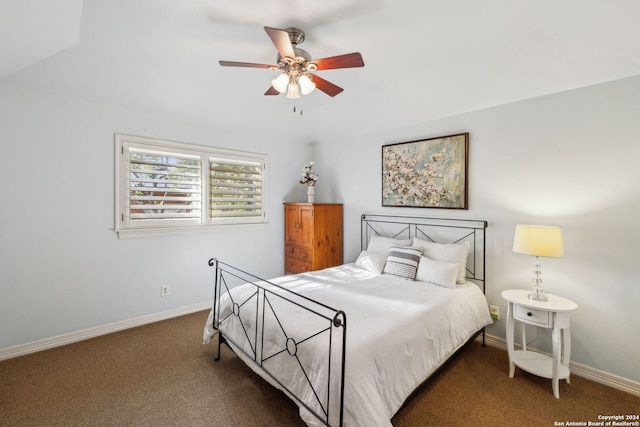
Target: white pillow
{"points": [[441, 273], [380, 245], [449, 252], [370, 262]]}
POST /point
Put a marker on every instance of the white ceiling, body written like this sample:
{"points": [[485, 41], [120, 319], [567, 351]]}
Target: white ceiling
{"points": [[27, 37], [424, 59]]}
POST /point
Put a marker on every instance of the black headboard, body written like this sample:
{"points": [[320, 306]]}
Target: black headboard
{"points": [[437, 230]]}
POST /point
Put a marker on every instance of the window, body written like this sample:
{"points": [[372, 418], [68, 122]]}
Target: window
{"points": [[168, 187]]}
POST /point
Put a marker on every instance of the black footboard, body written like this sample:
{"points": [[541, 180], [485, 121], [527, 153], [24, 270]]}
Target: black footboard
{"points": [[297, 342]]}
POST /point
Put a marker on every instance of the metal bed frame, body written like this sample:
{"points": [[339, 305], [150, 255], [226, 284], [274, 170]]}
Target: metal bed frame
{"points": [[261, 303], [331, 322]]}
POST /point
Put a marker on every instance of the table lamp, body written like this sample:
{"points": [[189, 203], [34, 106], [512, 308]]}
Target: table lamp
{"points": [[539, 241]]}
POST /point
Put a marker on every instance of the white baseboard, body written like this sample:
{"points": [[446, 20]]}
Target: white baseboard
{"points": [[611, 380], [57, 341]]}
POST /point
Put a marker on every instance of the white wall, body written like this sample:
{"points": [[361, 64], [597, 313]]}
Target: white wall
{"points": [[569, 159], [63, 268]]}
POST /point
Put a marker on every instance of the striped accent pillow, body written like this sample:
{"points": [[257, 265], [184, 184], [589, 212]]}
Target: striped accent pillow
{"points": [[402, 262]]}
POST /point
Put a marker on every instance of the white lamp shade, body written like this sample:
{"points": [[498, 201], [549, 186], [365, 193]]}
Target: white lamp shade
{"points": [[280, 83], [293, 90], [538, 240], [306, 85]]}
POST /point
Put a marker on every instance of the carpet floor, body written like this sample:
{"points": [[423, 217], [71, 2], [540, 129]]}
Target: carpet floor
{"points": [[161, 375]]}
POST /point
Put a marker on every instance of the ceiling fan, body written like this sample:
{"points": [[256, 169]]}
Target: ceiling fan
{"points": [[297, 67]]}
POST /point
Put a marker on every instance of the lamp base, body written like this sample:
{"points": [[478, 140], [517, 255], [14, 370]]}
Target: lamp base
{"points": [[538, 297], [537, 294]]}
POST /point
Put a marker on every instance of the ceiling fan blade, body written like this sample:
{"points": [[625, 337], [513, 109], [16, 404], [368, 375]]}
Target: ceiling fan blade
{"points": [[245, 64], [272, 91], [326, 86], [349, 60], [280, 39]]}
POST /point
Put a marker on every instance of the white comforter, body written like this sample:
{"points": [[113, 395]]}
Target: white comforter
{"points": [[398, 333]]}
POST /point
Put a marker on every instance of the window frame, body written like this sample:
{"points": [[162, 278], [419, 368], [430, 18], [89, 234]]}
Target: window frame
{"points": [[126, 229]]}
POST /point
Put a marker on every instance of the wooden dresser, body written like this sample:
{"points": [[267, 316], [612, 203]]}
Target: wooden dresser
{"points": [[312, 236]]}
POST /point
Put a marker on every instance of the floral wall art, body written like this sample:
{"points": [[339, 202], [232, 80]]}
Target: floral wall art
{"points": [[428, 173]]}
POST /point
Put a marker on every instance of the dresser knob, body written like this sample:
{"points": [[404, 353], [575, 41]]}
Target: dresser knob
{"points": [[529, 314]]}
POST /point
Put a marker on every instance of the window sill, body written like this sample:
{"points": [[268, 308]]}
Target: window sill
{"points": [[134, 233]]}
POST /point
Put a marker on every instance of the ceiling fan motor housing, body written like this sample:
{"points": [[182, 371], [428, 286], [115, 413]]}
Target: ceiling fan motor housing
{"points": [[302, 56], [299, 63]]}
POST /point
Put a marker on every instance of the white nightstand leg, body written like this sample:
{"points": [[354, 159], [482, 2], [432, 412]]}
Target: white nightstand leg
{"points": [[555, 367], [510, 327], [566, 348]]}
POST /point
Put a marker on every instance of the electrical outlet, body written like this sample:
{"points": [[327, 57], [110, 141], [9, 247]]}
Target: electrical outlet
{"points": [[495, 312], [164, 290]]}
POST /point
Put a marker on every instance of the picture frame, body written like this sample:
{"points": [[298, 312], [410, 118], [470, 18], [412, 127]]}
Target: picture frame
{"points": [[427, 173]]}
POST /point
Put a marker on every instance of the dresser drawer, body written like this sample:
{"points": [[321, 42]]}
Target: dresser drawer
{"points": [[298, 252], [532, 316], [294, 265]]}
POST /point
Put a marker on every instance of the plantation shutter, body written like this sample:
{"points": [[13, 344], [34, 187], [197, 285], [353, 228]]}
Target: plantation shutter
{"points": [[168, 187], [164, 186], [235, 189]]}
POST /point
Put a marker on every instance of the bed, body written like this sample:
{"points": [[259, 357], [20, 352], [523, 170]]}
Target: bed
{"points": [[349, 344]]}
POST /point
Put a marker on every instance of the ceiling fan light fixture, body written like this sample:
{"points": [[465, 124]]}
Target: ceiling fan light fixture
{"points": [[306, 85], [280, 83], [293, 90]]}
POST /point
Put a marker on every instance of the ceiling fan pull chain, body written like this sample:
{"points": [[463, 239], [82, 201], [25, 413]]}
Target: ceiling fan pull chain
{"points": [[294, 107]]}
